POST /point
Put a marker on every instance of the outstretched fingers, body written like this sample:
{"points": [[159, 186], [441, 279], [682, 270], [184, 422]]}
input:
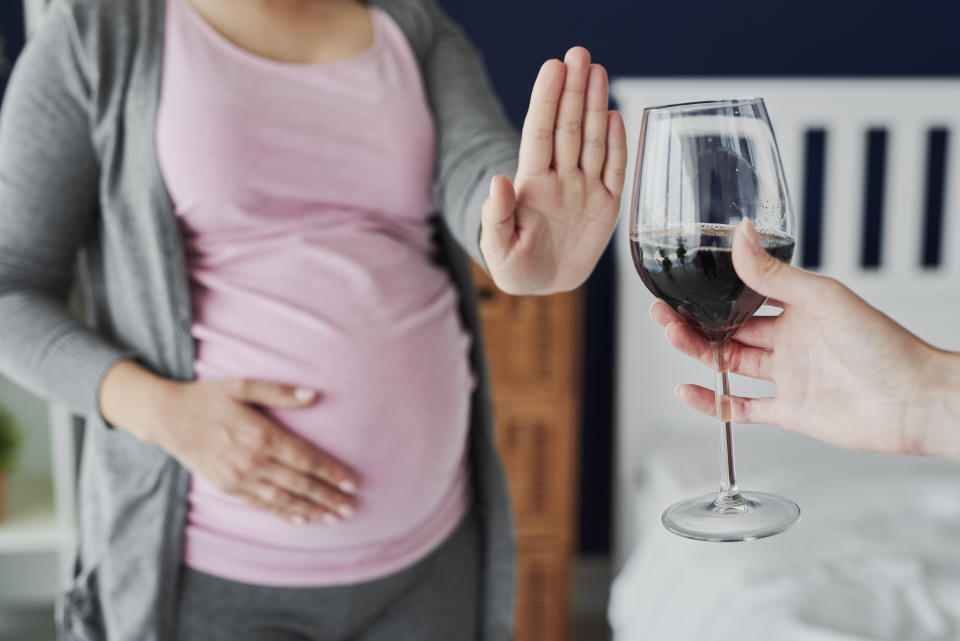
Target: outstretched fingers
{"points": [[742, 410], [615, 167], [569, 128], [594, 147], [498, 220], [536, 141]]}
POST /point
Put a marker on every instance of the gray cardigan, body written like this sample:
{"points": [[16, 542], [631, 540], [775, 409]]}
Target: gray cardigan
{"points": [[79, 176]]}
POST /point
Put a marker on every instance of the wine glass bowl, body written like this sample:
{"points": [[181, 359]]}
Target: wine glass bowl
{"points": [[701, 169], [691, 269]]}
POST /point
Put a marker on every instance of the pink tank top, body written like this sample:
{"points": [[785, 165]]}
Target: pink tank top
{"points": [[304, 194]]}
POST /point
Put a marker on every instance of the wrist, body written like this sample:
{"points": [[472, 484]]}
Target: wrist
{"points": [[938, 433], [133, 399]]}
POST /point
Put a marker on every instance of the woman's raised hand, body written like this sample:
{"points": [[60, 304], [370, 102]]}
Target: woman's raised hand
{"points": [[845, 373], [215, 429], [544, 231]]}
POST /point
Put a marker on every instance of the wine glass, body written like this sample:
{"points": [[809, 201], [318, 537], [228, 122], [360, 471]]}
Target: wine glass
{"points": [[702, 167]]}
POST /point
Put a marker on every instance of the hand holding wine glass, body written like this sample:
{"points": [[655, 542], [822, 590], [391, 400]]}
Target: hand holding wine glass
{"points": [[846, 373]]}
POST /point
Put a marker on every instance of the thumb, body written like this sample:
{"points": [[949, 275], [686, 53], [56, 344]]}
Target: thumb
{"points": [[764, 273], [270, 394], [498, 220]]}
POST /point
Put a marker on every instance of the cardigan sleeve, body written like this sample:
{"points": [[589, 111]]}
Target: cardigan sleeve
{"points": [[475, 141], [48, 207]]}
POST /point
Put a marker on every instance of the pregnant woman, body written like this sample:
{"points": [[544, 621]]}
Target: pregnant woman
{"points": [[288, 427]]}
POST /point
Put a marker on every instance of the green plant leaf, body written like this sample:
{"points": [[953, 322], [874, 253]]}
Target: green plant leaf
{"points": [[11, 439]]}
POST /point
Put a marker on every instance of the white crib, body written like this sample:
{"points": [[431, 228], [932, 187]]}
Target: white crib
{"points": [[874, 173]]}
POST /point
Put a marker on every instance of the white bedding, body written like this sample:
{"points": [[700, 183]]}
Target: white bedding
{"points": [[876, 555]]}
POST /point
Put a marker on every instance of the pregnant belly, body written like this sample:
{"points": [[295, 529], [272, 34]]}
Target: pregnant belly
{"points": [[393, 406]]}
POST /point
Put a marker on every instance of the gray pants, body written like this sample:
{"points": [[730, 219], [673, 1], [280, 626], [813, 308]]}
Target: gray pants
{"points": [[433, 600]]}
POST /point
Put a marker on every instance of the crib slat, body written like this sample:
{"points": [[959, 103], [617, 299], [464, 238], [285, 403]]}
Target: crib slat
{"points": [[903, 214], [843, 202], [950, 247]]}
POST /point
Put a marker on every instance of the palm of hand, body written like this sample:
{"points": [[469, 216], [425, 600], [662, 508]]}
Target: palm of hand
{"points": [[563, 224], [545, 231]]}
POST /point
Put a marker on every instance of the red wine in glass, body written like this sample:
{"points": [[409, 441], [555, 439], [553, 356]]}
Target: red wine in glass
{"points": [[691, 269]]}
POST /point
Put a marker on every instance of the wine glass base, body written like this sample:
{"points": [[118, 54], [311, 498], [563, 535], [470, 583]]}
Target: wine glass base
{"points": [[758, 515]]}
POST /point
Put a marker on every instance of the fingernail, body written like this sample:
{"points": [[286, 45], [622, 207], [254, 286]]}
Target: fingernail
{"points": [[346, 511], [347, 486], [330, 519], [670, 326], [676, 391], [298, 520], [304, 394], [650, 311]]}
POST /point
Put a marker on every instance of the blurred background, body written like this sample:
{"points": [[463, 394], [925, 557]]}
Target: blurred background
{"points": [[570, 401]]}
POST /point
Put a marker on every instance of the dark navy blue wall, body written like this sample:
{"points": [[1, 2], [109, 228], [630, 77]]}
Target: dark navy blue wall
{"points": [[713, 37], [692, 37], [11, 27]]}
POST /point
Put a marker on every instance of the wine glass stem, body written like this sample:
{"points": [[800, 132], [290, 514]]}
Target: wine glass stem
{"points": [[729, 495]]}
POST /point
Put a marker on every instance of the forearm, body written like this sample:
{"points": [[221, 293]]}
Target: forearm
{"points": [[43, 348], [132, 398], [475, 140], [940, 428], [49, 202]]}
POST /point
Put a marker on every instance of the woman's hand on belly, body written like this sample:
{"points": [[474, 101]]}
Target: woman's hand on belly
{"points": [[215, 430]]}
